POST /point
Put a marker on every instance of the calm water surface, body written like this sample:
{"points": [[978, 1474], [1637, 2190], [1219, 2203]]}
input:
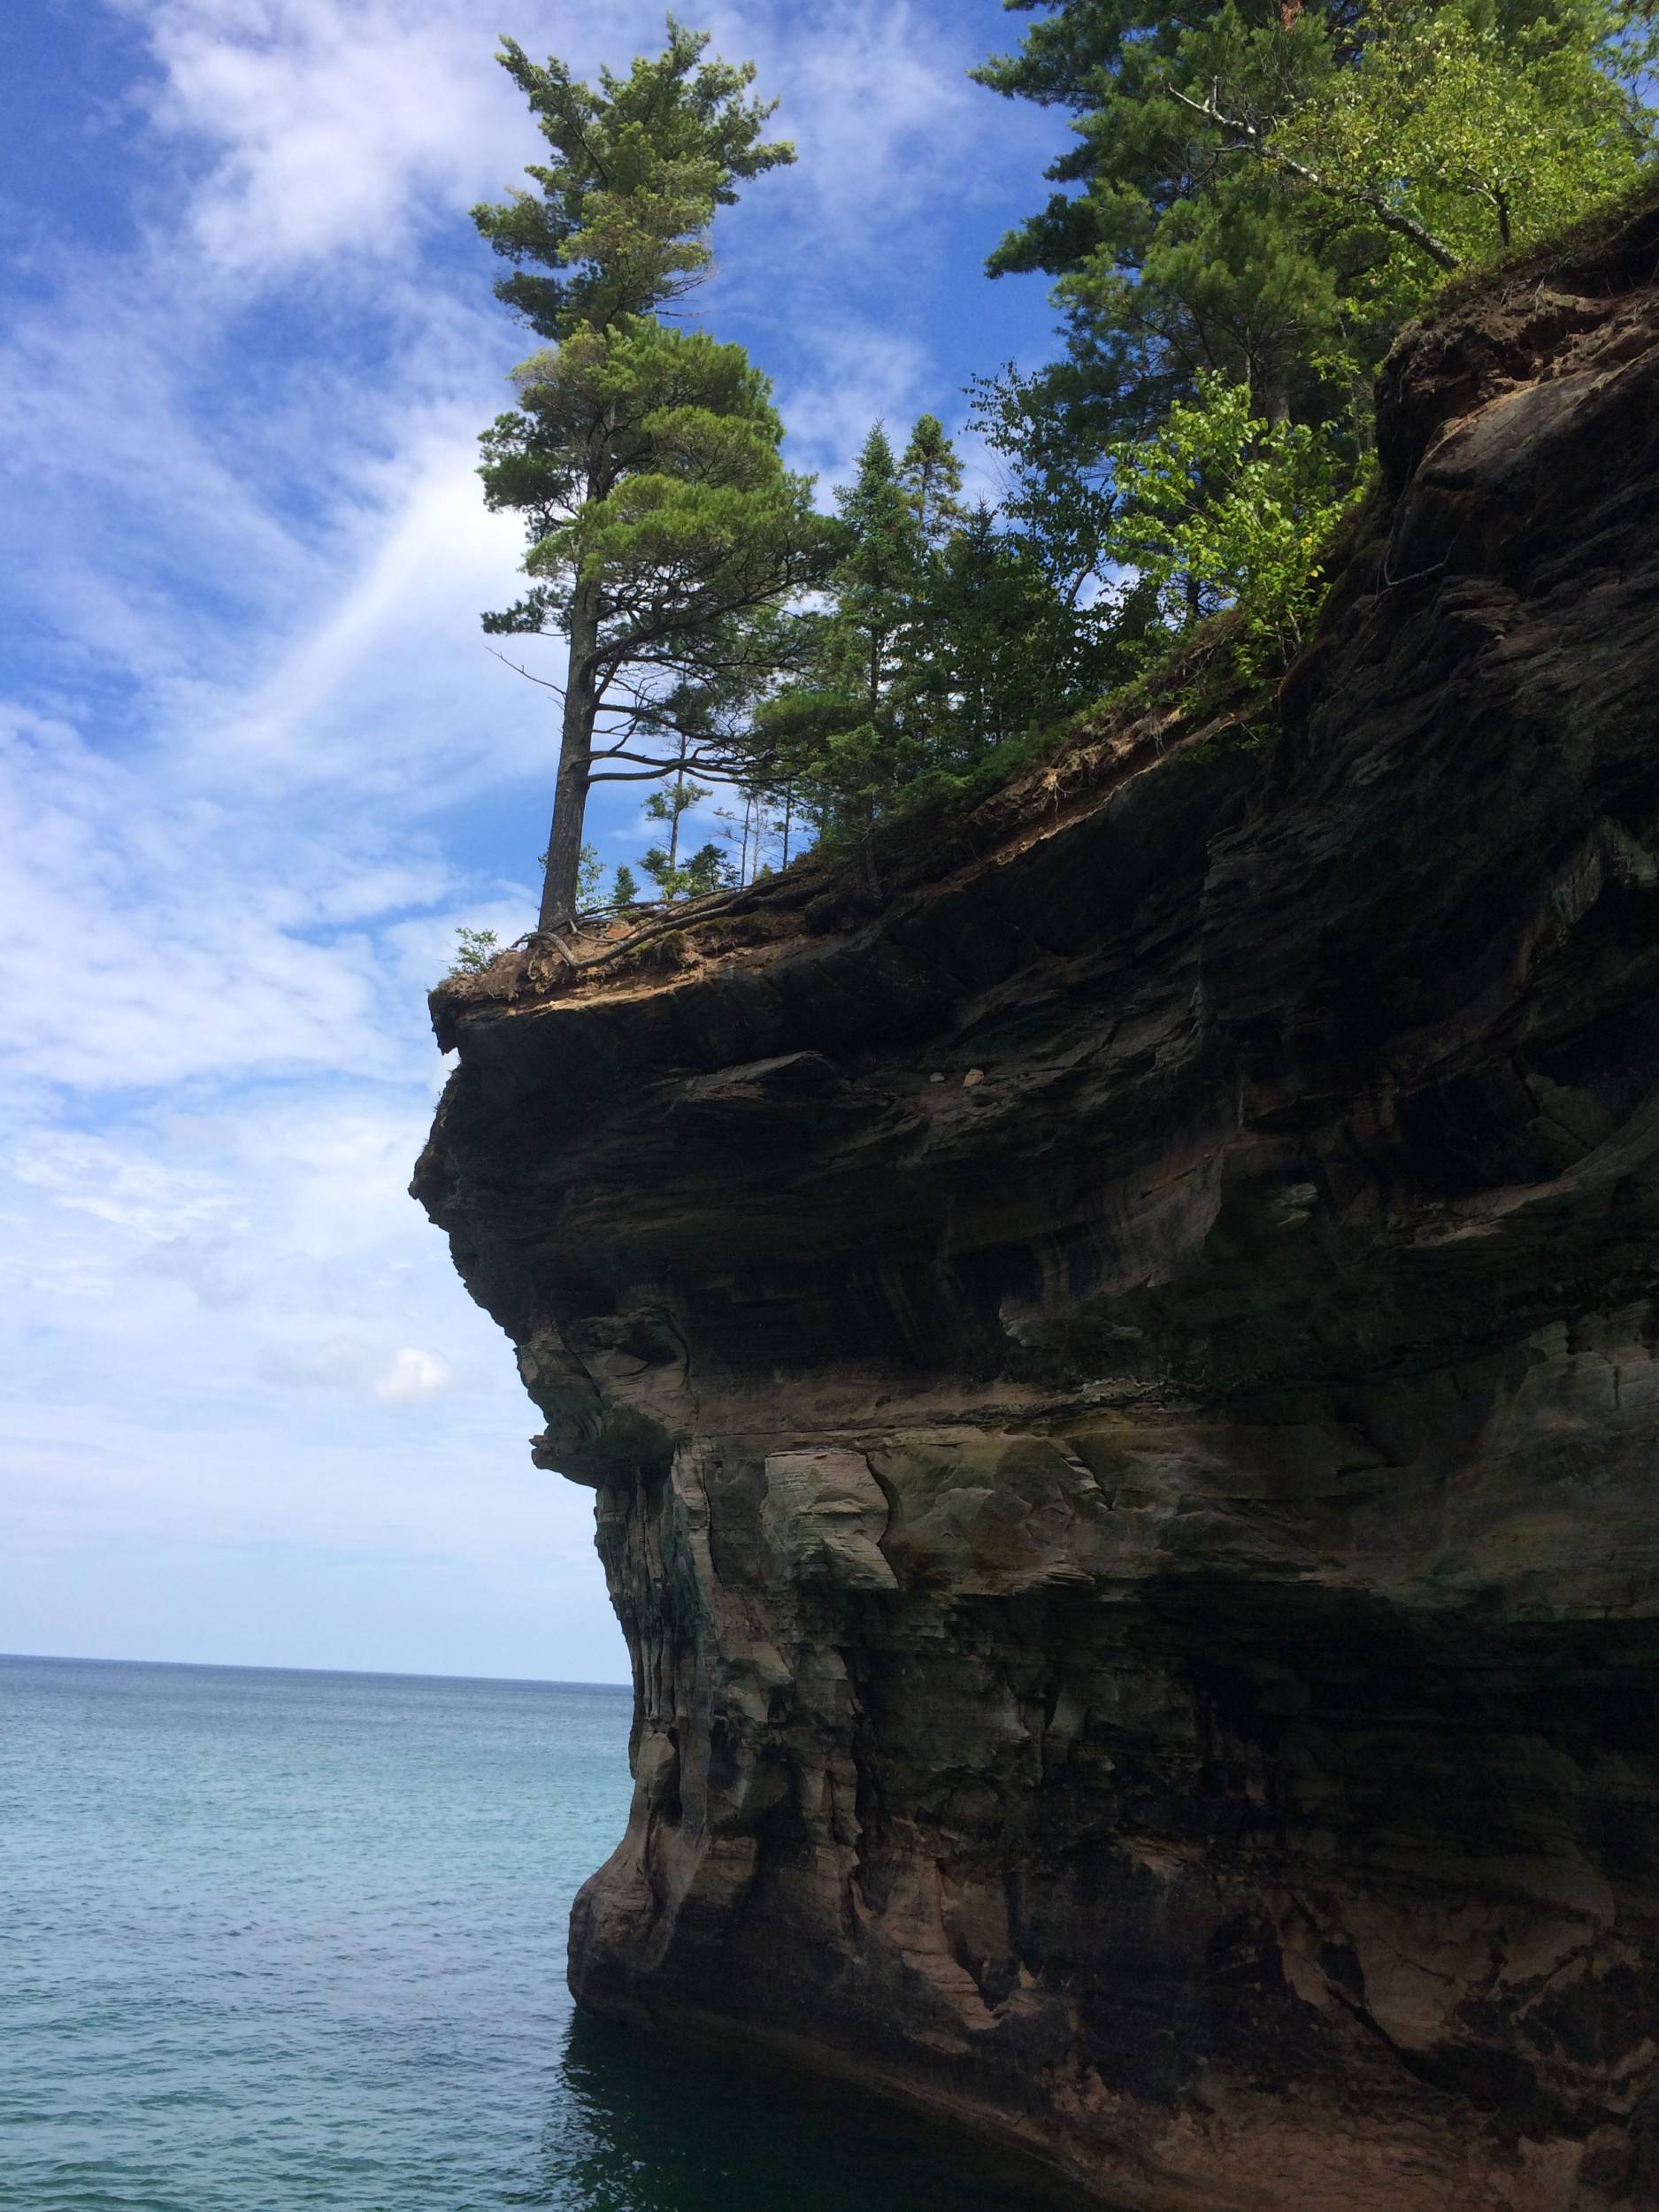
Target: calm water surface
{"points": [[279, 1940]]}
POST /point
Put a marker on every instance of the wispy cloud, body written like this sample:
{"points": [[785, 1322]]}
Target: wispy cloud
{"points": [[875, 95], [328, 127], [857, 376], [347, 125], [257, 765]]}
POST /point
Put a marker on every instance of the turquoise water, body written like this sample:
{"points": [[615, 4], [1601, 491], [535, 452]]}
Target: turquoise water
{"points": [[280, 1941]]}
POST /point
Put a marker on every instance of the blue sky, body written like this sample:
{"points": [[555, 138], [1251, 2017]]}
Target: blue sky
{"points": [[257, 765]]}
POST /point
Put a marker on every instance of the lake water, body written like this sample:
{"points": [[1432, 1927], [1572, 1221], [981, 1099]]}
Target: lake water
{"points": [[274, 1940]]}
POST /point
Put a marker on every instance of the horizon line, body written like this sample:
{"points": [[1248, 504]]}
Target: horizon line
{"points": [[246, 1666]]}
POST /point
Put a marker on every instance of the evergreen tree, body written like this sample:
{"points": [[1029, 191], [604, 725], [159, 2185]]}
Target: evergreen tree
{"points": [[643, 457], [930, 473], [667, 806], [948, 637], [842, 730], [876, 582], [1050, 431], [1011, 653], [1258, 194], [704, 870], [589, 874]]}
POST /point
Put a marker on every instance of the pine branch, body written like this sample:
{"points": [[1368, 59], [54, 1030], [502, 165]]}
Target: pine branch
{"points": [[558, 689]]}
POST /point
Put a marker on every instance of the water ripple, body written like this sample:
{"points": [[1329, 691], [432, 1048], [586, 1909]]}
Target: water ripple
{"points": [[278, 1941]]}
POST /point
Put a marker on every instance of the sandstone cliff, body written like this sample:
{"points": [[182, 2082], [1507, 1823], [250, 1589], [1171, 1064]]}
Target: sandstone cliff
{"points": [[1140, 1556]]}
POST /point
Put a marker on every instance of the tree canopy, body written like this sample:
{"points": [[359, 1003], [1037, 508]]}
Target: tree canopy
{"points": [[1264, 189], [1256, 193]]}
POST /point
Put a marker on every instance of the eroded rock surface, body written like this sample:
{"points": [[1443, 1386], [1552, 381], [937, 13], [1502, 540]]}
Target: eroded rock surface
{"points": [[1143, 1571]]}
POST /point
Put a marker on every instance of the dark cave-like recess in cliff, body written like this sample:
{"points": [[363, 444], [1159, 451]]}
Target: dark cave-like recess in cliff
{"points": [[1142, 1570]]}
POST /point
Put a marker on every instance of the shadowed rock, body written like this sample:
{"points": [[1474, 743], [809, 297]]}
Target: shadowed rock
{"points": [[1142, 1570]]}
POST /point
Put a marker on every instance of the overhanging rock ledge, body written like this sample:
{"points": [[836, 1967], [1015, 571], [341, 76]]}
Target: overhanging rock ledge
{"points": [[1142, 1570]]}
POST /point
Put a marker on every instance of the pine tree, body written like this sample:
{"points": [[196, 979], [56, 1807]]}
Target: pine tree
{"points": [[643, 457], [667, 806], [1011, 653], [841, 730], [1259, 192], [876, 580], [930, 473]]}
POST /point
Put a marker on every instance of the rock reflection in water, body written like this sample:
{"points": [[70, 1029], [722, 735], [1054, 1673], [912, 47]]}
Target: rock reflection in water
{"points": [[640, 2126]]}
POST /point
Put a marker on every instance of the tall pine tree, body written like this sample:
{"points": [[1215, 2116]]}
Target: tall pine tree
{"points": [[643, 457]]}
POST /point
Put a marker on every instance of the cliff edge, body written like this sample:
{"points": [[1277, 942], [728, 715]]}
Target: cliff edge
{"points": [[1120, 1367]]}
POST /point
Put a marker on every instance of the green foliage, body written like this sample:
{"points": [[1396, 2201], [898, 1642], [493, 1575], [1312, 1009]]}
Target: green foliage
{"points": [[474, 950], [668, 806], [590, 875], [931, 474], [948, 638], [1243, 178], [646, 463], [643, 457], [1006, 651], [1169, 258], [703, 872], [625, 890], [705, 869], [1050, 431], [1221, 509], [618, 225], [1483, 140], [841, 728], [663, 863], [1256, 196]]}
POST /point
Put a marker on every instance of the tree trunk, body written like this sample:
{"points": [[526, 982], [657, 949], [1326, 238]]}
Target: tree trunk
{"points": [[1269, 400], [576, 744], [676, 808]]}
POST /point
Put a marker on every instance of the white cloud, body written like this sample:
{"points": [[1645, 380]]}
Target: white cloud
{"points": [[389, 684], [350, 126], [335, 127], [154, 937], [857, 376], [89, 1174], [874, 94], [257, 766], [411, 1376]]}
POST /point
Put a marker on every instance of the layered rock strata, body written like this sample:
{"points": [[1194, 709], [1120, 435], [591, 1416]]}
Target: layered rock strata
{"points": [[1121, 1378]]}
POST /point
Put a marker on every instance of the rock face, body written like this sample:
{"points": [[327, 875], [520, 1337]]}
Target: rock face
{"points": [[1142, 1568]]}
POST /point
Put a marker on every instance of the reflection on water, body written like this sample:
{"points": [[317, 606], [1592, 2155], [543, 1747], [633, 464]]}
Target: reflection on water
{"points": [[640, 2127]]}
